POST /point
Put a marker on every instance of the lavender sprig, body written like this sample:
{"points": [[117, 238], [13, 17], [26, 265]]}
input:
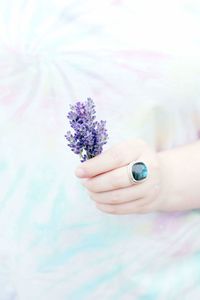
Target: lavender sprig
{"points": [[89, 135]]}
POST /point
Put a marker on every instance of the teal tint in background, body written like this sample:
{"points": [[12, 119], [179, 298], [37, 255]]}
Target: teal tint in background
{"points": [[139, 61]]}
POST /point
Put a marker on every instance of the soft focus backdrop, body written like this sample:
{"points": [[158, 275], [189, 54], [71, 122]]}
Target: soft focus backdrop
{"points": [[140, 62]]}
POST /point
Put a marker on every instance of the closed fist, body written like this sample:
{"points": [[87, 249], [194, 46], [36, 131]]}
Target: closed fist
{"points": [[108, 184]]}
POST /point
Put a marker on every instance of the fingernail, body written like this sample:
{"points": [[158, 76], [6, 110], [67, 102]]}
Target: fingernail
{"points": [[80, 172]]}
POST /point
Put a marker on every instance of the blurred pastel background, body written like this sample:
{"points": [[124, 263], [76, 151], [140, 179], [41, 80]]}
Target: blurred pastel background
{"points": [[140, 62]]}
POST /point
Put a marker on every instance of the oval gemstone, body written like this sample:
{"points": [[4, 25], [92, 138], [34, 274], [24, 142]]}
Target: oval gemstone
{"points": [[139, 171]]}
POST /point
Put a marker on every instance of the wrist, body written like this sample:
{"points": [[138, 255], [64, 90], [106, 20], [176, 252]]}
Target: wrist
{"points": [[170, 194], [180, 188]]}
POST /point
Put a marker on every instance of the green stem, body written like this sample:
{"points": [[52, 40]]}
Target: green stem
{"points": [[80, 155]]}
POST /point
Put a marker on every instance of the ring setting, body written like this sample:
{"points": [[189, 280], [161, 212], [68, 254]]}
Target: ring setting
{"points": [[137, 171]]}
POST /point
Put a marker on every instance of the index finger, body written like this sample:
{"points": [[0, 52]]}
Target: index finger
{"points": [[117, 156]]}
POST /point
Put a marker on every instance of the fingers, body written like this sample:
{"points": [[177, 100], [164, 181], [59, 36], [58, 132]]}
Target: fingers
{"points": [[109, 185], [127, 208], [123, 195], [112, 180], [115, 157]]}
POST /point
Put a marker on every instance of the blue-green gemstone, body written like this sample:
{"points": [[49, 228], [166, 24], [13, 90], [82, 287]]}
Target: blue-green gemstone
{"points": [[139, 171]]}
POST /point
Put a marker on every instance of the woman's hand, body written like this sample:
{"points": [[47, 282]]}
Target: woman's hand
{"points": [[108, 183]]}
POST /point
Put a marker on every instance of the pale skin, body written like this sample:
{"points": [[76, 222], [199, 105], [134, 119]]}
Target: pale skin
{"points": [[173, 183]]}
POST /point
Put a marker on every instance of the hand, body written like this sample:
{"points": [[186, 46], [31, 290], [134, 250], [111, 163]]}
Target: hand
{"points": [[108, 183]]}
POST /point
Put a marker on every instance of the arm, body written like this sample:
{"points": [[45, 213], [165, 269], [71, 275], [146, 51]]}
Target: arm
{"points": [[173, 183], [180, 168]]}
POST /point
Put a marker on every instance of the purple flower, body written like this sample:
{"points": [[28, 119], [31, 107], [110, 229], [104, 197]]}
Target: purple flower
{"points": [[89, 135]]}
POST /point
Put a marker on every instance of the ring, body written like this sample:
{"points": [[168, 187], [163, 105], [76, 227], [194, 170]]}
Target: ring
{"points": [[137, 171]]}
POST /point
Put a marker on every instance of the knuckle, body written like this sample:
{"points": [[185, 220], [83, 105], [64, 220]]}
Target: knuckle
{"points": [[117, 176], [112, 209], [90, 186], [117, 157], [93, 188], [138, 141], [115, 198], [117, 154], [86, 184], [116, 180]]}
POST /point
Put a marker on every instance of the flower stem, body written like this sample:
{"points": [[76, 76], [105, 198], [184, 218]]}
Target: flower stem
{"points": [[80, 155]]}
